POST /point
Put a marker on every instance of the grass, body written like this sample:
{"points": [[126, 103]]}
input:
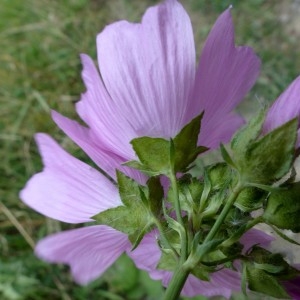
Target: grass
{"points": [[40, 69]]}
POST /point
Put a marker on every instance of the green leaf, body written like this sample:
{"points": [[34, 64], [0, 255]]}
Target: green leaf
{"points": [[269, 268], [206, 191], [226, 156], [247, 134], [219, 175], [185, 144], [203, 249], [129, 189], [190, 190], [159, 156], [250, 199], [155, 195], [214, 204], [261, 281], [273, 263], [283, 208], [138, 166], [134, 218], [235, 236], [153, 153], [269, 158]]}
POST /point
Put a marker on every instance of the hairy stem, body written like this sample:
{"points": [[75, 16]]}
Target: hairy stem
{"points": [[184, 241], [164, 239], [223, 213], [176, 284], [186, 265]]}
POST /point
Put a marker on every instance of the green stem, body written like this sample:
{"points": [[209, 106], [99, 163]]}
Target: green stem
{"points": [[231, 240], [164, 238], [176, 197], [176, 284], [184, 241], [180, 275], [223, 213]]}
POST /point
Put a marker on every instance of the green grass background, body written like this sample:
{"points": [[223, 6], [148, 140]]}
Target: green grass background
{"points": [[40, 42]]}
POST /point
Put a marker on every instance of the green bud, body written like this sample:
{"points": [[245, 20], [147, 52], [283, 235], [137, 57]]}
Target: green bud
{"points": [[283, 208], [264, 271], [250, 199], [190, 191], [219, 175], [264, 282], [264, 159]]}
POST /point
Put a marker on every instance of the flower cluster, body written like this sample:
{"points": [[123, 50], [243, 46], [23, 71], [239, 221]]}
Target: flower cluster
{"points": [[149, 114]]}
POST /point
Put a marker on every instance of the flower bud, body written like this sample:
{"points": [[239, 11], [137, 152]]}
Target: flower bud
{"points": [[283, 208]]}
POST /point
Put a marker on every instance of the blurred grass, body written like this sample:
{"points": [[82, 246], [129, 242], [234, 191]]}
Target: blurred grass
{"points": [[40, 69]]}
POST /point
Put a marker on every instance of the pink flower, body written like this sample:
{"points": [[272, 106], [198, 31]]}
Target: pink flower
{"points": [[285, 108], [149, 86]]}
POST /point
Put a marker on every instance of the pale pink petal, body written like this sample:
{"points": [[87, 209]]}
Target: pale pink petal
{"points": [[256, 237], [146, 257], [216, 131], [194, 287], [148, 70], [228, 279], [107, 121], [89, 250], [67, 189], [285, 108], [86, 139], [225, 74]]}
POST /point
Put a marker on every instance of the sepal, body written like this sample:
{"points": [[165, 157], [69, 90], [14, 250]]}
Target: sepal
{"points": [[263, 282], [283, 208], [263, 159], [158, 156], [250, 199], [190, 191], [141, 205]]}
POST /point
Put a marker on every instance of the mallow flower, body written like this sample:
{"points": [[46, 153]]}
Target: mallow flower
{"points": [[148, 85]]}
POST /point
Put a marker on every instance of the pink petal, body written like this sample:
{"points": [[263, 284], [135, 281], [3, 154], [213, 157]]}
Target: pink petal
{"points": [[86, 139], [225, 74], [256, 237], [214, 131], [107, 121], [67, 189], [285, 108], [148, 70], [146, 257], [228, 279], [89, 250], [194, 287]]}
